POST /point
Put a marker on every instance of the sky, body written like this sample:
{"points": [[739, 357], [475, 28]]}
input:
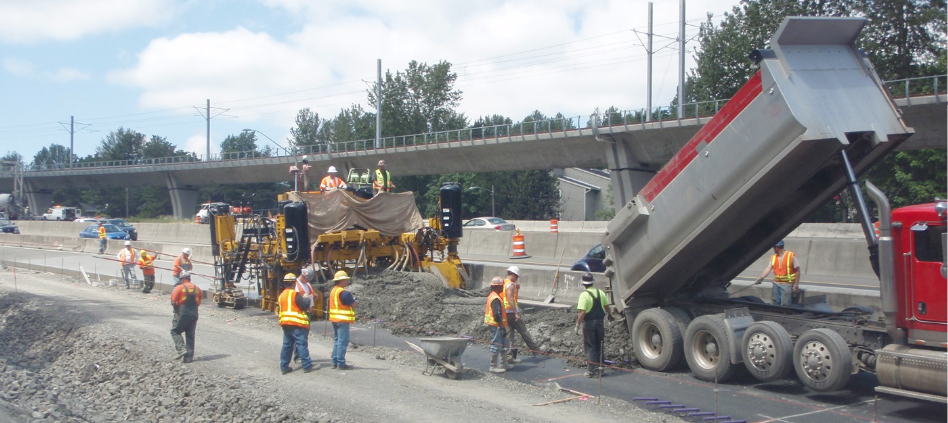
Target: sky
{"points": [[152, 65]]}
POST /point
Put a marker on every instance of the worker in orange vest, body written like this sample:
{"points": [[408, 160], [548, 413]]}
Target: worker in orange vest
{"points": [[181, 263], [341, 314], [496, 318], [102, 239], [128, 259], [332, 182], [185, 299], [295, 324], [514, 317], [147, 264], [786, 275]]}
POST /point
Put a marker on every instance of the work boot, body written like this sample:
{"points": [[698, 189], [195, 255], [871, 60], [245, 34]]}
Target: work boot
{"points": [[496, 361], [513, 357], [312, 368]]}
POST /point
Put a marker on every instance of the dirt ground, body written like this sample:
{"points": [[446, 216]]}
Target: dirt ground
{"points": [[70, 352]]}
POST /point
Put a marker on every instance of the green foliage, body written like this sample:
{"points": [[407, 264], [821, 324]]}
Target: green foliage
{"points": [[911, 177], [306, 131], [419, 99], [350, 124], [54, 157]]}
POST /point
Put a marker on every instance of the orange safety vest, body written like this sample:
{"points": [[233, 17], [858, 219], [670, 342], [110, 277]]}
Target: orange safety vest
{"points": [[489, 314], [783, 268], [339, 312], [101, 232], [510, 306], [147, 264], [330, 182], [290, 313], [181, 263], [127, 256]]}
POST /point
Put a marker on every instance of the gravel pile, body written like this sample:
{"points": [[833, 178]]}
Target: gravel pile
{"points": [[56, 366]]}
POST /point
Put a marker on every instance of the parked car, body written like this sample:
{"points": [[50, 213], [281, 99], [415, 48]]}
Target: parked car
{"points": [[87, 220], [203, 214], [111, 232], [125, 226], [592, 261], [8, 227], [494, 223]]}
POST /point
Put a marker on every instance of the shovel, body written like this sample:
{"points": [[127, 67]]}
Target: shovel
{"points": [[556, 277]]}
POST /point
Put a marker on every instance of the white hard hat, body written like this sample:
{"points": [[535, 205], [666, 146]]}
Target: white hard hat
{"points": [[381, 162], [184, 275], [332, 169], [128, 243], [186, 251], [514, 269]]}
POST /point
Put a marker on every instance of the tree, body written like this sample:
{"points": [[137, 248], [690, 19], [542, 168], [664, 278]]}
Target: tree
{"points": [[420, 99], [54, 157], [10, 160], [306, 132], [903, 35]]}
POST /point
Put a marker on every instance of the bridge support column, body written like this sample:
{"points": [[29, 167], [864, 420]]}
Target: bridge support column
{"points": [[38, 200], [184, 199], [627, 172]]}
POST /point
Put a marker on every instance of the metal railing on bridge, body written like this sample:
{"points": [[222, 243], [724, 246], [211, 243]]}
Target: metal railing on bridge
{"points": [[548, 128]]}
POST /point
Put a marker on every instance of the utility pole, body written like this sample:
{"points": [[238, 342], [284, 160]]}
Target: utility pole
{"points": [[72, 133], [378, 107], [207, 116], [648, 113], [681, 64]]}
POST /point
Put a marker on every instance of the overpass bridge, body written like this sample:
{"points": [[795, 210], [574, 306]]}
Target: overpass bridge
{"points": [[617, 140]]}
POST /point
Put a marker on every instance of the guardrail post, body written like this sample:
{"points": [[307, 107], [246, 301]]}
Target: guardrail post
{"points": [[908, 100]]}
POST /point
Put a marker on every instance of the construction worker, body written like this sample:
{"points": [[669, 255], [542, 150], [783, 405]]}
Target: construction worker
{"points": [[181, 263], [147, 264], [786, 275], [128, 259], [514, 316], [381, 179], [332, 182], [303, 287], [185, 299], [102, 239], [341, 314], [496, 317], [593, 306], [295, 324]]}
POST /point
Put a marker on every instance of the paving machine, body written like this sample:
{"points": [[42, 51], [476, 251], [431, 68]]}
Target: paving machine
{"points": [[811, 119]]}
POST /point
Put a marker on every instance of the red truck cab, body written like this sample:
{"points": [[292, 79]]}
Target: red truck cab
{"points": [[919, 238]]}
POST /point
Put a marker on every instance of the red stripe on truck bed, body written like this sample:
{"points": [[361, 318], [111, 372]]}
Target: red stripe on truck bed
{"points": [[708, 133]]}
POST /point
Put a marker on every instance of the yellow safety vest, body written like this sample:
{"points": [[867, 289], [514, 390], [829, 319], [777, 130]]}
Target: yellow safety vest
{"points": [[383, 181], [339, 312], [290, 313], [489, 314], [510, 306], [783, 272]]}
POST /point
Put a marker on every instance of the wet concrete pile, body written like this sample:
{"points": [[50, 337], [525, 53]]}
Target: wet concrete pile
{"points": [[417, 304], [59, 366]]}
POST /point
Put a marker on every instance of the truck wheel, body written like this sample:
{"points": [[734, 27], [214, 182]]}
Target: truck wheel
{"points": [[708, 351], [682, 317], [822, 361], [767, 351], [656, 340]]}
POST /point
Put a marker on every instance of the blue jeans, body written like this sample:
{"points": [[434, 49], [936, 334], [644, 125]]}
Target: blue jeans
{"points": [[782, 294], [101, 245], [128, 273], [498, 340], [299, 336], [340, 343]]}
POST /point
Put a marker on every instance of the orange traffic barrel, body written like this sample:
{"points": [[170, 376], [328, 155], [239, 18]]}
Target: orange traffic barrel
{"points": [[197, 219], [519, 247], [554, 226]]}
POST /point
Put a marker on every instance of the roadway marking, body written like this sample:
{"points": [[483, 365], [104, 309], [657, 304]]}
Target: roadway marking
{"points": [[782, 419], [555, 378]]}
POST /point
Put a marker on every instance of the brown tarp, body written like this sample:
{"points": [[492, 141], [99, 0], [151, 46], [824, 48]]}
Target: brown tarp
{"points": [[390, 214]]}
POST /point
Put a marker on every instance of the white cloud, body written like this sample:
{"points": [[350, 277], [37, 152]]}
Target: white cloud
{"points": [[67, 75], [197, 144], [27, 69], [18, 67], [26, 22]]}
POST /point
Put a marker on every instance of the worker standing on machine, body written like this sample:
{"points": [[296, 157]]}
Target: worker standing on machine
{"points": [[332, 182], [341, 314], [496, 317], [185, 299], [295, 324], [181, 263], [147, 264], [128, 260], [786, 275], [514, 316], [381, 179], [593, 307]]}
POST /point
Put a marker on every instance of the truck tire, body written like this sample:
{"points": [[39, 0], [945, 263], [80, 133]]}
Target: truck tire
{"points": [[708, 351], [683, 319], [767, 351], [657, 340], [822, 360]]}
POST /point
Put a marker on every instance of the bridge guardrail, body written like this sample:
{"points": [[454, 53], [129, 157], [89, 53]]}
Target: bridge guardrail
{"points": [[902, 88]]}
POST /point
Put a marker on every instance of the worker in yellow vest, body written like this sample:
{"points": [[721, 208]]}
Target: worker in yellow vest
{"points": [[102, 239], [147, 264], [786, 275], [381, 179], [341, 314], [496, 318], [295, 324], [514, 316]]}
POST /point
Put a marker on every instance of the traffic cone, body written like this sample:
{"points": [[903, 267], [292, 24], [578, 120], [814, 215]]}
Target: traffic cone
{"points": [[554, 226], [519, 247], [197, 219]]}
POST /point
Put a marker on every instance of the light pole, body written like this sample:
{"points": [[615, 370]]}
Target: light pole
{"points": [[493, 212], [254, 131]]}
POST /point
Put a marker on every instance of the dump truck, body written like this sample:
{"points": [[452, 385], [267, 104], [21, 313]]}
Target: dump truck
{"points": [[813, 117]]}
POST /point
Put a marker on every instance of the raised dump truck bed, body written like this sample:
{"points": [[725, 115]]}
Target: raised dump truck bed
{"points": [[771, 156]]}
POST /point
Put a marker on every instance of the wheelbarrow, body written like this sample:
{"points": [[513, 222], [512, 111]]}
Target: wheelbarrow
{"points": [[444, 352]]}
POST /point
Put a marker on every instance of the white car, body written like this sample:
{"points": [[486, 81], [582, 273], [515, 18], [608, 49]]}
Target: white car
{"points": [[494, 223]]}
